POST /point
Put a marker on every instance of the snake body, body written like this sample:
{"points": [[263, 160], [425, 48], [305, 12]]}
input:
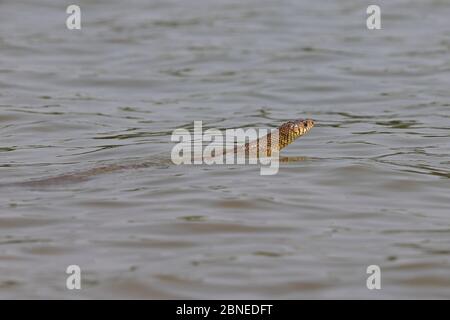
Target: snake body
{"points": [[288, 132]]}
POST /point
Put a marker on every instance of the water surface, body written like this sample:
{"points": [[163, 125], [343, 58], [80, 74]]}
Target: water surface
{"points": [[372, 186]]}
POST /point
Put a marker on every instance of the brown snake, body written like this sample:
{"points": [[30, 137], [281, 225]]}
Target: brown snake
{"points": [[288, 133]]}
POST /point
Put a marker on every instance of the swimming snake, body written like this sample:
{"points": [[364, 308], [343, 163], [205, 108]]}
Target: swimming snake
{"points": [[288, 132]]}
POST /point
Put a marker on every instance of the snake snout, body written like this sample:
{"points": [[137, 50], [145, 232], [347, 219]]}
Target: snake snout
{"points": [[293, 129], [297, 127], [305, 124]]}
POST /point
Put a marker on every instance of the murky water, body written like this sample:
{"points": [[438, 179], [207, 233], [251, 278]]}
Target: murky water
{"points": [[371, 185]]}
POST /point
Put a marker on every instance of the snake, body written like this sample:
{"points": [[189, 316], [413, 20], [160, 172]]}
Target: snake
{"points": [[288, 132]]}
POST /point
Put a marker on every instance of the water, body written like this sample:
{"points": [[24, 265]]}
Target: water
{"points": [[371, 185]]}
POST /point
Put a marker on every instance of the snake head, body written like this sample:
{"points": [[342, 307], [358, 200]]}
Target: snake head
{"points": [[291, 130], [297, 127]]}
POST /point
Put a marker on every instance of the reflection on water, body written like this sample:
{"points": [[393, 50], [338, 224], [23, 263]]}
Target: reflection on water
{"points": [[368, 185]]}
